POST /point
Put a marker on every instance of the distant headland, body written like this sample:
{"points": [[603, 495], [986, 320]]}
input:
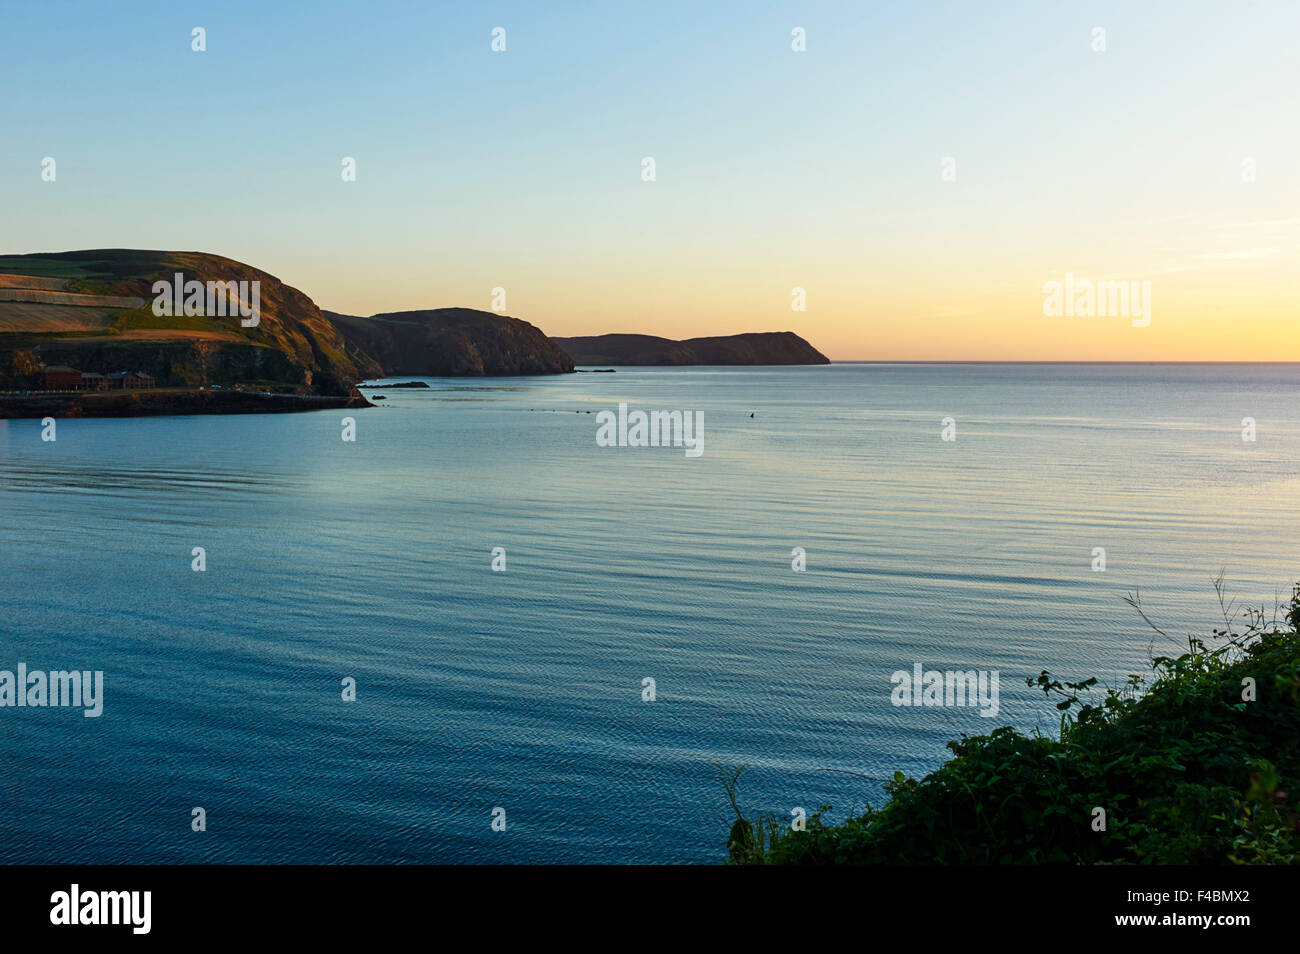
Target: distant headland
{"points": [[768, 347]]}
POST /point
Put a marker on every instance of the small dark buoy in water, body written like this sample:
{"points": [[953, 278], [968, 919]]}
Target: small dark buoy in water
{"points": [[751, 413]]}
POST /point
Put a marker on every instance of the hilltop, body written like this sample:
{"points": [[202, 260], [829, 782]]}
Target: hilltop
{"points": [[92, 310], [767, 347]]}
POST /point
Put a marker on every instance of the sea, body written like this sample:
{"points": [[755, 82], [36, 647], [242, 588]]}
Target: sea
{"points": [[473, 634]]}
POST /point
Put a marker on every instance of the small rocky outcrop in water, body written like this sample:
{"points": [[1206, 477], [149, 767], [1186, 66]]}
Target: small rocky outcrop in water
{"points": [[449, 341], [767, 347]]}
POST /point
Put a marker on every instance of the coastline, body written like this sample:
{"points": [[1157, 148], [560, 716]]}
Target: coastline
{"points": [[157, 403]]}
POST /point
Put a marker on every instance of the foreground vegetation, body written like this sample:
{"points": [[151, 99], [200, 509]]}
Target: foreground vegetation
{"points": [[1197, 763]]}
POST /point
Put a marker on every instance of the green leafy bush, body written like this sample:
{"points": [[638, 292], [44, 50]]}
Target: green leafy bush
{"points": [[1188, 767]]}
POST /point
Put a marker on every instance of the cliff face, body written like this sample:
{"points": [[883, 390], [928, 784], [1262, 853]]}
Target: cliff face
{"points": [[448, 341], [774, 347], [191, 363], [92, 310]]}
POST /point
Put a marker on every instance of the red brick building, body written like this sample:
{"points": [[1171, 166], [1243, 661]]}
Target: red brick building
{"points": [[59, 377]]}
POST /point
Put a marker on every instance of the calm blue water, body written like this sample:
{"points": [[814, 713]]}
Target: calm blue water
{"points": [[522, 689]]}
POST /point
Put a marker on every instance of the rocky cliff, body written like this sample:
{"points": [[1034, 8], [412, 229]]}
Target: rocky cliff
{"points": [[448, 341], [93, 310]]}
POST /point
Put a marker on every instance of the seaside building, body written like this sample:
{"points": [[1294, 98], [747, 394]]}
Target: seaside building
{"points": [[91, 381], [126, 380], [59, 377]]}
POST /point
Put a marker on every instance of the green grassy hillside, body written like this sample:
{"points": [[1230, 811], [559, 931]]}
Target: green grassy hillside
{"points": [[76, 324]]}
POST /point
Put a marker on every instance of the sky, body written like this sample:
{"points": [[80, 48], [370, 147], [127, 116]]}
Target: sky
{"points": [[921, 170]]}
